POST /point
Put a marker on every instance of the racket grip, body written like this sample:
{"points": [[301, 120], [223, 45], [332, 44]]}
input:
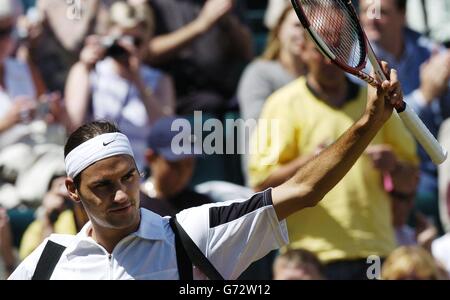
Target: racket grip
{"points": [[415, 125]]}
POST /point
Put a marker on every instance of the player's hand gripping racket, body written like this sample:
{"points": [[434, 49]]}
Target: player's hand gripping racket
{"points": [[335, 28]]}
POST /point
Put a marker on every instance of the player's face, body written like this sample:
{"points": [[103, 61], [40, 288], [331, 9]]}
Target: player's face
{"points": [[382, 23], [109, 191]]}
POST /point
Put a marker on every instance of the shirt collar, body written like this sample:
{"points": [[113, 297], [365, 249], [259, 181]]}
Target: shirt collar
{"points": [[150, 228]]}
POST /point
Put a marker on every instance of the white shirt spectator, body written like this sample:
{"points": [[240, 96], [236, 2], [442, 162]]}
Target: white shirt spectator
{"points": [[230, 234]]}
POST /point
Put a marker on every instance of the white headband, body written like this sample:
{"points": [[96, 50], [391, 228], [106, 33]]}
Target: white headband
{"points": [[95, 149]]}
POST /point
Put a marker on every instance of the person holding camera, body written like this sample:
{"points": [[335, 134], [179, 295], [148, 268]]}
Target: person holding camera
{"points": [[111, 82]]}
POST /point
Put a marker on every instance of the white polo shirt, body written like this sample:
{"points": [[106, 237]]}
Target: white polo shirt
{"points": [[230, 234]]}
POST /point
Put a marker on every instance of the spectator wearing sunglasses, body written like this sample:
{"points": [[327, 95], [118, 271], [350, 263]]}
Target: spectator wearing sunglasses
{"points": [[110, 82]]}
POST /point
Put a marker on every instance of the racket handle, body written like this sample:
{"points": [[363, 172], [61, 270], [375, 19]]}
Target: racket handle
{"points": [[415, 125], [412, 121]]}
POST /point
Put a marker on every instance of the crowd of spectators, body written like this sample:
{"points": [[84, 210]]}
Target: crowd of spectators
{"points": [[145, 64]]}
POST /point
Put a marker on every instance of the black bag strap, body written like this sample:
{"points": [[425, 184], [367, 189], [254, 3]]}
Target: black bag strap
{"points": [[193, 252], [47, 262], [183, 261]]}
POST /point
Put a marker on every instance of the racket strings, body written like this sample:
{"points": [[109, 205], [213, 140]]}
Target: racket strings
{"points": [[333, 22]]}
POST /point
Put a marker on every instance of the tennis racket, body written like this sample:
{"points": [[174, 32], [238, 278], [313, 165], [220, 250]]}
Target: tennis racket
{"points": [[334, 27]]}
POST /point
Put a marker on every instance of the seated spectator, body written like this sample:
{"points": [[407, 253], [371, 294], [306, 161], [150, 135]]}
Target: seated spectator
{"points": [[110, 82], [424, 71], [279, 65], [56, 215], [411, 263], [204, 46], [298, 264], [167, 192]]}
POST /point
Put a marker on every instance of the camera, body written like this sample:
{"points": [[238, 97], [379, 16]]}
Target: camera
{"points": [[113, 47]]}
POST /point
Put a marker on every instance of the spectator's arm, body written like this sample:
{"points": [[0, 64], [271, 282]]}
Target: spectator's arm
{"points": [[78, 87], [400, 175], [434, 77], [77, 94], [163, 47]]}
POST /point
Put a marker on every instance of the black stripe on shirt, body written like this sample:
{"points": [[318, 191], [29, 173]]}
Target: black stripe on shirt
{"points": [[219, 215]]}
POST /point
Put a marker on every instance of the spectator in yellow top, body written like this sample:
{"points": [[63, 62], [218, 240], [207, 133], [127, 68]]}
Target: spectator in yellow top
{"points": [[354, 220]]}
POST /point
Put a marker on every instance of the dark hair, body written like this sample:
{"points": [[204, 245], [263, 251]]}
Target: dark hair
{"points": [[401, 4], [85, 133]]}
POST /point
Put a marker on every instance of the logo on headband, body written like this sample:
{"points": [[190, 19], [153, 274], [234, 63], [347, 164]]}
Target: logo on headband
{"points": [[107, 143]]}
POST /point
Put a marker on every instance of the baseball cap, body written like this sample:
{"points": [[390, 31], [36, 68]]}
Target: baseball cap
{"points": [[173, 145]]}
